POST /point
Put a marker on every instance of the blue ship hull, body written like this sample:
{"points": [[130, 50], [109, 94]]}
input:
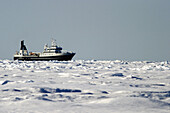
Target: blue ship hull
{"points": [[47, 58]]}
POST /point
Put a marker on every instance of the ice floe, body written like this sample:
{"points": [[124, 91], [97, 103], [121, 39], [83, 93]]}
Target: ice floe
{"points": [[84, 86]]}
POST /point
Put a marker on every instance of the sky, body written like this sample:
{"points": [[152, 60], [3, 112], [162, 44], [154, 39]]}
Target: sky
{"points": [[94, 29]]}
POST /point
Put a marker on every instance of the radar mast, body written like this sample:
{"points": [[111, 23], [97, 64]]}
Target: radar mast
{"points": [[53, 43]]}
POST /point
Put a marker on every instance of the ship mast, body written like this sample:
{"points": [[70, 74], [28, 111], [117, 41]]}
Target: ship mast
{"points": [[53, 43]]}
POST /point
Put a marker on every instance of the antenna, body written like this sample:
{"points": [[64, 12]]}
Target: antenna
{"points": [[53, 43]]}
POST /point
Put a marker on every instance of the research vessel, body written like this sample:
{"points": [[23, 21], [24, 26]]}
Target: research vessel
{"points": [[52, 52]]}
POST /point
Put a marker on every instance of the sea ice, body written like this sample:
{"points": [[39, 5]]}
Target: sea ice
{"points": [[87, 86]]}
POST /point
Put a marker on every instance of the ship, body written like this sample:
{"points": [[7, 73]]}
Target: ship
{"points": [[52, 52]]}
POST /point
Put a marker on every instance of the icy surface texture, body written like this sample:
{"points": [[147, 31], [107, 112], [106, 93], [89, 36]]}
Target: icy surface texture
{"points": [[89, 86]]}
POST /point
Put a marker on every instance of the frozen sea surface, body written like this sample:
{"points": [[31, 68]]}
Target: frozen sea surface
{"points": [[80, 86]]}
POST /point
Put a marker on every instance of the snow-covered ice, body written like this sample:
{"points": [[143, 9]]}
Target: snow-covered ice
{"points": [[84, 86]]}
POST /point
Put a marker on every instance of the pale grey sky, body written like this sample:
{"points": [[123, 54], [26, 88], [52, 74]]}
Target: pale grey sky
{"points": [[94, 29]]}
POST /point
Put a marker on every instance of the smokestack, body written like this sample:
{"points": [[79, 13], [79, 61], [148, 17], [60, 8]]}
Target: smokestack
{"points": [[22, 42], [23, 46]]}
